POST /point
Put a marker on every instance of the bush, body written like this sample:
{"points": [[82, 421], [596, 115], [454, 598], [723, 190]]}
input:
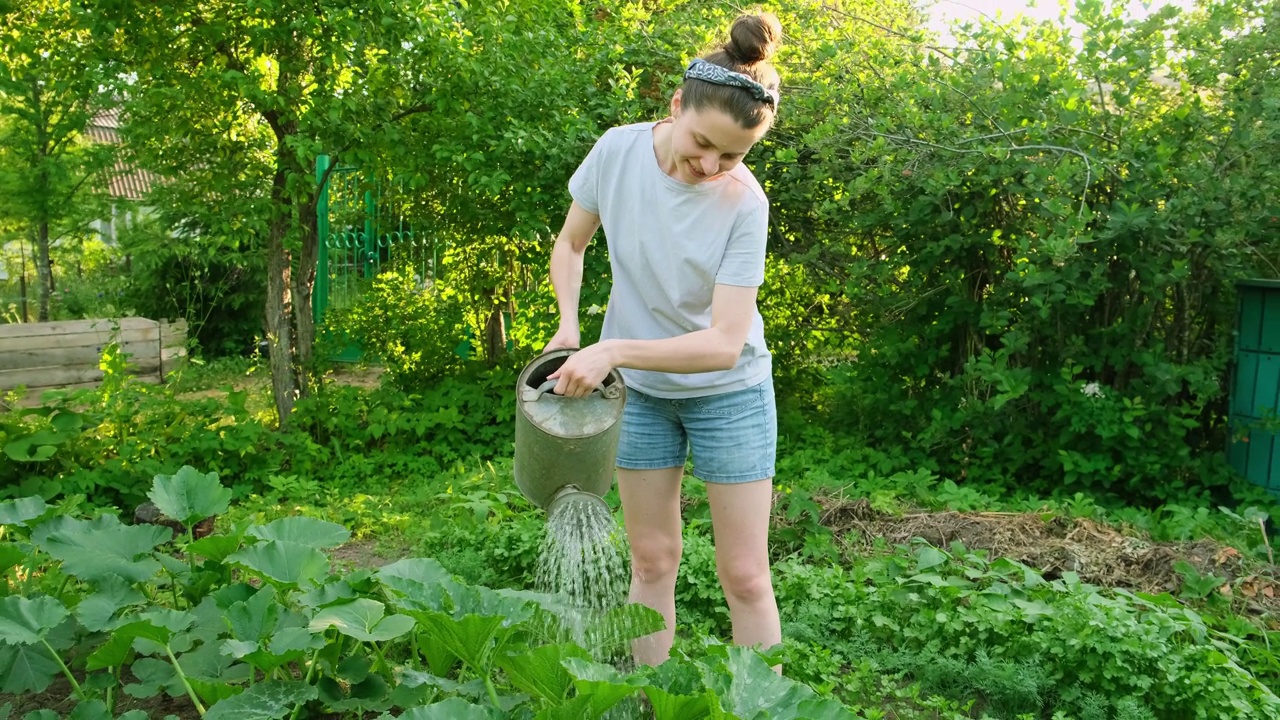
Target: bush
{"points": [[414, 331], [217, 286]]}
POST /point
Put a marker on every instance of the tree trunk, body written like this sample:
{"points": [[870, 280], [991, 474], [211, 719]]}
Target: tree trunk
{"points": [[284, 383], [303, 282], [44, 272], [495, 336]]}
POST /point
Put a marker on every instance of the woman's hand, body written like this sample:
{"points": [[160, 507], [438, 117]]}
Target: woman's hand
{"points": [[564, 338], [583, 371]]}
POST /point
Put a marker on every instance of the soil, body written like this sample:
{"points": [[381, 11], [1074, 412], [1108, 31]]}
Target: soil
{"points": [[361, 554]]}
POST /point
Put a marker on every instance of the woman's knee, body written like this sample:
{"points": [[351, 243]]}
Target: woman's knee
{"points": [[746, 581], [655, 559]]}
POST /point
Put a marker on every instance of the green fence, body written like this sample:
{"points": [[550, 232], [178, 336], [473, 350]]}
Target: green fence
{"points": [[364, 225], [1254, 445]]}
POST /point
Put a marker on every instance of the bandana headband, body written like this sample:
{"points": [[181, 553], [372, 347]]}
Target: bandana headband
{"points": [[705, 71]]}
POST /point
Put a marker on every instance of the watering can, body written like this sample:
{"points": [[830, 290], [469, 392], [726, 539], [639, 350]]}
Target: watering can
{"points": [[565, 447]]}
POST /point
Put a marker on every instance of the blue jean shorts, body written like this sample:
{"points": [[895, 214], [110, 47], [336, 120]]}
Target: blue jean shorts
{"points": [[733, 436]]}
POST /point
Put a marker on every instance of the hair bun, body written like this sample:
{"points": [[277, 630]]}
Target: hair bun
{"points": [[754, 38]]}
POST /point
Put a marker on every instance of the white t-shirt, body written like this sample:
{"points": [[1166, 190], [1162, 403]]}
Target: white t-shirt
{"points": [[669, 244]]}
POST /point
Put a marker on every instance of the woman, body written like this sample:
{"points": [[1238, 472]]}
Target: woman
{"points": [[685, 222]]}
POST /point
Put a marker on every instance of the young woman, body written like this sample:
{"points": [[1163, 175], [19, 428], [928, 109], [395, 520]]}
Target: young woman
{"points": [[685, 222]]}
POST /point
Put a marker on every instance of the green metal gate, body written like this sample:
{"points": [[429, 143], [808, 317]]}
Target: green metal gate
{"points": [[1254, 445], [364, 225]]}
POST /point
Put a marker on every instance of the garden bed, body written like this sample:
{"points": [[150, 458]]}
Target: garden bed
{"points": [[1053, 544]]}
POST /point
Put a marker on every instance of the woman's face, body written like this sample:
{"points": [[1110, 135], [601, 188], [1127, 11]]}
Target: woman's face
{"points": [[707, 142]]}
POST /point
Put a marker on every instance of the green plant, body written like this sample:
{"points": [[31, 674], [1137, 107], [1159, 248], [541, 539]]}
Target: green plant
{"points": [[414, 332], [962, 626], [255, 622]]}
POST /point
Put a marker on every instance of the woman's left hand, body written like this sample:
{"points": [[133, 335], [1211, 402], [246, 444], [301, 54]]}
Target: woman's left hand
{"points": [[583, 371]]}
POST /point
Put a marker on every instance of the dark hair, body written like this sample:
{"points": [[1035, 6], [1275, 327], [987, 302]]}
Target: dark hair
{"points": [[752, 41]]}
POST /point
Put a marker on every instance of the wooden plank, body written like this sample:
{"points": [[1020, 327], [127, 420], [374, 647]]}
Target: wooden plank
{"points": [[70, 327], [84, 339], [32, 397], [57, 376], [173, 334], [82, 355], [171, 359]]}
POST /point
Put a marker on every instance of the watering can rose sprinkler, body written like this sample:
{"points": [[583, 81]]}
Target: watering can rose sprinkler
{"points": [[565, 447]]}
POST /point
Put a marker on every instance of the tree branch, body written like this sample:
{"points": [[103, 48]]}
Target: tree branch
{"points": [[891, 31], [333, 158]]}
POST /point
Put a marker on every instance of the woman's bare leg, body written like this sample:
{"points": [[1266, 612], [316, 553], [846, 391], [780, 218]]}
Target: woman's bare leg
{"points": [[651, 512]]}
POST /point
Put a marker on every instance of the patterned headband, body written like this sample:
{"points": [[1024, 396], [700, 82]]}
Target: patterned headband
{"points": [[705, 71]]}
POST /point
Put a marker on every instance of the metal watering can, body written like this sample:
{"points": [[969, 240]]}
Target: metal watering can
{"points": [[565, 447]]}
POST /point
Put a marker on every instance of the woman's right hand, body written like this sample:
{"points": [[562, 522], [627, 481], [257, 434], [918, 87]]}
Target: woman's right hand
{"points": [[565, 338]]}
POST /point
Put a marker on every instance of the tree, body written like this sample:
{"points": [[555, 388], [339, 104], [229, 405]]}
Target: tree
{"points": [[233, 103], [52, 82]]}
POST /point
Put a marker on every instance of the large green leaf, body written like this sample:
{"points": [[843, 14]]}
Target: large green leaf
{"points": [[27, 621], [254, 619], [472, 688], [291, 639], [451, 709], [284, 562], [265, 701], [480, 622], [96, 612], [189, 496], [97, 710], [215, 547], [329, 593], [303, 530], [18, 512], [470, 637], [676, 691], [601, 684], [756, 692], [266, 634], [154, 676], [26, 669], [539, 671], [100, 548], [671, 706], [36, 447], [362, 619], [418, 583], [615, 629], [90, 710], [10, 555]]}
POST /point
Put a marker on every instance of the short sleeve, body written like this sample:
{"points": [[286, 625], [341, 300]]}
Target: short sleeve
{"points": [[584, 186], [743, 263]]}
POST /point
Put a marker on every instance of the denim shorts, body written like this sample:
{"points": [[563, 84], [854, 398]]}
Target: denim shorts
{"points": [[733, 436]]}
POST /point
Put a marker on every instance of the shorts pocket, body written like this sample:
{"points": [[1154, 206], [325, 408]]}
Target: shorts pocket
{"points": [[731, 403]]}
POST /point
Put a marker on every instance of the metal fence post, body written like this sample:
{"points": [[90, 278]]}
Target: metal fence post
{"points": [[320, 294]]}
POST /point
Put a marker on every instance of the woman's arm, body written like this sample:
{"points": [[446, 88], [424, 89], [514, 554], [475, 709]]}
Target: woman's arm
{"points": [[716, 348], [566, 272]]}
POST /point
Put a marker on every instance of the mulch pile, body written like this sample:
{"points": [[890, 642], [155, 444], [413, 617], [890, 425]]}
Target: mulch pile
{"points": [[1100, 554]]}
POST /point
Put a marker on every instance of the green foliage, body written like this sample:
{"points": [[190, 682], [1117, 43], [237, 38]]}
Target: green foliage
{"points": [[108, 442], [215, 284], [267, 631], [1005, 227], [963, 626], [414, 332], [52, 82]]}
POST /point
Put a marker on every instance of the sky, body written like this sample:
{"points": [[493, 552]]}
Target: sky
{"points": [[943, 11]]}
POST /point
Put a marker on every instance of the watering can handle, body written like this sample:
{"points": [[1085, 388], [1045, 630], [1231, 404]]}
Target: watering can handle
{"points": [[533, 394]]}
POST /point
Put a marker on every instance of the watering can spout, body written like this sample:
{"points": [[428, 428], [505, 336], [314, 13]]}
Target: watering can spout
{"points": [[565, 447], [571, 494]]}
